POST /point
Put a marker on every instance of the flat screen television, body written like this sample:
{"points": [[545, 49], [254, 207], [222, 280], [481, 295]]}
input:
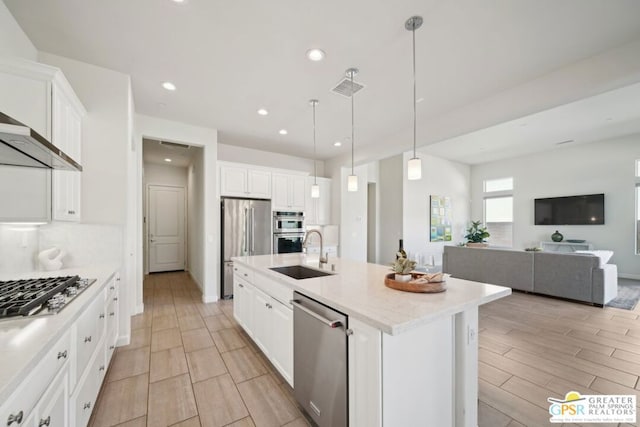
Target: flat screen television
{"points": [[571, 210]]}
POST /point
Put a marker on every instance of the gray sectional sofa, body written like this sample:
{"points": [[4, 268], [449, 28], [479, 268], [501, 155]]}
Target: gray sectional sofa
{"points": [[567, 275]]}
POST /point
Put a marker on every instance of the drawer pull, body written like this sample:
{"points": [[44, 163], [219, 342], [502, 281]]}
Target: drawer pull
{"points": [[117, 279], [101, 316], [62, 354], [112, 313], [71, 212], [115, 298], [246, 275], [45, 421], [87, 339], [241, 285], [111, 347], [112, 287], [101, 368], [87, 405], [17, 418]]}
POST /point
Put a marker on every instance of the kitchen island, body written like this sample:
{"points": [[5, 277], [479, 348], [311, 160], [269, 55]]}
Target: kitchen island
{"points": [[412, 358]]}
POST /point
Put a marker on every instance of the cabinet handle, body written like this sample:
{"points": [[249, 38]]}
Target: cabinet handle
{"points": [[241, 285], [17, 418], [44, 421], [111, 347], [246, 275], [62, 354], [71, 212], [115, 298], [117, 279], [112, 287], [101, 316], [87, 339], [101, 368], [112, 314], [87, 405]]}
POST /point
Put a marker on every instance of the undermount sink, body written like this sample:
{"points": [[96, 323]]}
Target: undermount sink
{"points": [[299, 272]]}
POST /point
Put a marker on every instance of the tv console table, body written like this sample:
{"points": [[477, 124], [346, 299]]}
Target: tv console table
{"points": [[565, 246]]}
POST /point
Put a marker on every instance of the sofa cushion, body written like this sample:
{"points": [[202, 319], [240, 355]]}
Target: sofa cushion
{"points": [[603, 256], [564, 275]]}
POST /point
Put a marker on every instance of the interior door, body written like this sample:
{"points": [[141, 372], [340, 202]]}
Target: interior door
{"points": [[166, 228]]}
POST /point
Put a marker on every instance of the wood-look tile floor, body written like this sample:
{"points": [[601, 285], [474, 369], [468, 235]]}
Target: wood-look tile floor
{"points": [[189, 364]]}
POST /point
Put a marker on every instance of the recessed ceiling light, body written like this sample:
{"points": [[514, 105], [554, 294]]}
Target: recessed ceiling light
{"points": [[263, 112], [169, 86], [283, 132], [337, 144], [315, 54], [167, 160]]}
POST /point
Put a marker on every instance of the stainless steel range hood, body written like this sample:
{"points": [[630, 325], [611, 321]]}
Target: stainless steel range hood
{"points": [[22, 146]]}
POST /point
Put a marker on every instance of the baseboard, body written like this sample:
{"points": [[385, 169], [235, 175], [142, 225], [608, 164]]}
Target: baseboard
{"points": [[123, 340], [629, 276], [209, 298]]}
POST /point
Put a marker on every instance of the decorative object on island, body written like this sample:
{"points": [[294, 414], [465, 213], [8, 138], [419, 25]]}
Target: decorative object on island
{"points": [[352, 180], [414, 166], [315, 188], [419, 283], [441, 218], [403, 267], [476, 234], [557, 236], [401, 252]]}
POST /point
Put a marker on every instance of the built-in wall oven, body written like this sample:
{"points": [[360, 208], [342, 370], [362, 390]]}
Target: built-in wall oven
{"points": [[288, 232]]}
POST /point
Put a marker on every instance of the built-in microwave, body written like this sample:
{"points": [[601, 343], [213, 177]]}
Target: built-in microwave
{"points": [[288, 222]]}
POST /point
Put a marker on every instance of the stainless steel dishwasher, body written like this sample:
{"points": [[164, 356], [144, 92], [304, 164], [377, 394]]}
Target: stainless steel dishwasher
{"points": [[320, 361]]}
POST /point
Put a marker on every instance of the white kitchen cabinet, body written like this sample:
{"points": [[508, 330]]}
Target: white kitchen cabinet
{"points": [[269, 322], [66, 134], [39, 96], [282, 339], [318, 210], [241, 181], [288, 192], [365, 376], [52, 408], [83, 399], [87, 333]]}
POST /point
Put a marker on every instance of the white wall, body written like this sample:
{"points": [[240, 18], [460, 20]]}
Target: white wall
{"points": [[440, 177], [167, 130], [195, 217], [13, 41], [603, 167], [231, 153], [18, 248]]}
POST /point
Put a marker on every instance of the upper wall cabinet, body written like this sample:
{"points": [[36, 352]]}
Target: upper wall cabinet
{"points": [[318, 211], [288, 192], [239, 181], [40, 97]]}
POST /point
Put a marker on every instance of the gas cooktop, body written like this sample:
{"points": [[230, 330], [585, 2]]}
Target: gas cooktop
{"points": [[36, 297]]}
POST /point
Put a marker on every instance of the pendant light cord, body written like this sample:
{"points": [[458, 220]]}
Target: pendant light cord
{"points": [[413, 31], [315, 171], [352, 140]]}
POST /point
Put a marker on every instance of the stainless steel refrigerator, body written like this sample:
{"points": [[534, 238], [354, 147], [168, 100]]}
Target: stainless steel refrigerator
{"points": [[246, 230]]}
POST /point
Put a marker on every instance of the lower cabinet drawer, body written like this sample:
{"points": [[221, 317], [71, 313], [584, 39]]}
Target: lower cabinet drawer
{"points": [[84, 398], [89, 330], [52, 408], [112, 328], [24, 399]]}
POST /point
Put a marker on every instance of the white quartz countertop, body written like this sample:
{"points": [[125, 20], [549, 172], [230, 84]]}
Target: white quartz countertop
{"points": [[25, 341], [357, 289]]}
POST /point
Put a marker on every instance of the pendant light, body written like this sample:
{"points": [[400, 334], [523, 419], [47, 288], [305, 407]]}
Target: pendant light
{"points": [[315, 188], [352, 180], [414, 166]]}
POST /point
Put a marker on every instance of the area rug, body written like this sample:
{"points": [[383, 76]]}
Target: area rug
{"points": [[628, 294]]}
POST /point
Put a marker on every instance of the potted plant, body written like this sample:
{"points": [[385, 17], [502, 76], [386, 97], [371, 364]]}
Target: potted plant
{"points": [[403, 267], [476, 234]]}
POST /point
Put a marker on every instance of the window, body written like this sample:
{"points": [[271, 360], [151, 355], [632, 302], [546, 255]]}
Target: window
{"points": [[498, 211]]}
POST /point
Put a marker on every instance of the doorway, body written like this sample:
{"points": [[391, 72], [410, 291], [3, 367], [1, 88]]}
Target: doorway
{"points": [[166, 228]]}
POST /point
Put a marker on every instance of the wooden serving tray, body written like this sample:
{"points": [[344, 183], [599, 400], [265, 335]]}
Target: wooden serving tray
{"points": [[431, 287]]}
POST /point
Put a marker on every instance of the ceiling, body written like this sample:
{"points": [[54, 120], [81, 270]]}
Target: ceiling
{"points": [[157, 152], [230, 58]]}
